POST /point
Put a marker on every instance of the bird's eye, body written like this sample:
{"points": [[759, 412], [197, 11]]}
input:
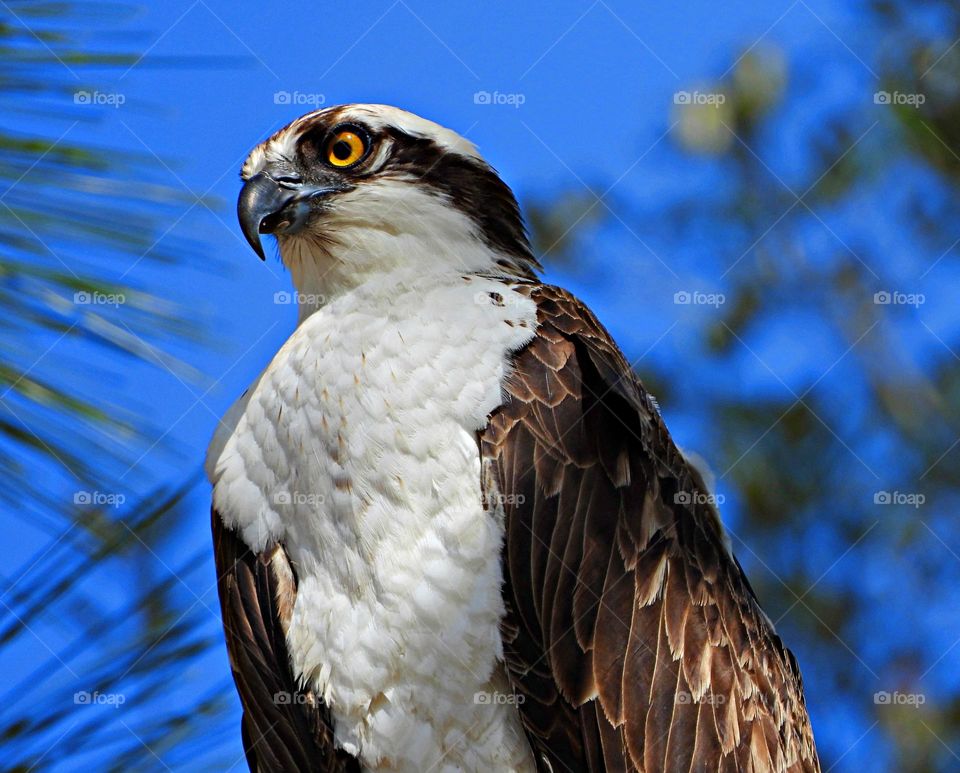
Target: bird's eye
{"points": [[345, 148]]}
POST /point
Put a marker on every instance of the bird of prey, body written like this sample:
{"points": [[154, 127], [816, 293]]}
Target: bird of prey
{"points": [[451, 529]]}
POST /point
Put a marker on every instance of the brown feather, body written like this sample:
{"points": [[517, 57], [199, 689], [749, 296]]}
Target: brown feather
{"points": [[284, 728], [631, 633]]}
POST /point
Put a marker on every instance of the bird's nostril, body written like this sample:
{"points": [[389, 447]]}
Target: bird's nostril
{"points": [[288, 220], [288, 182]]}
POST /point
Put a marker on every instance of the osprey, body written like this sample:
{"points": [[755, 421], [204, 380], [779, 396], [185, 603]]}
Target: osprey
{"points": [[451, 529]]}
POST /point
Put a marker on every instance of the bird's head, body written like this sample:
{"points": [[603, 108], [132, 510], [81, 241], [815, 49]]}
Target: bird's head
{"points": [[356, 190]]}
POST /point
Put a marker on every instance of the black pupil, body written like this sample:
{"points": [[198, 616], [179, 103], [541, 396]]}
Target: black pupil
{"points": [[341, 150]]}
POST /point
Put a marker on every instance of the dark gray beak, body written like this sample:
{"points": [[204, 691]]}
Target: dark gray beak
{"points": [[267, 206]]}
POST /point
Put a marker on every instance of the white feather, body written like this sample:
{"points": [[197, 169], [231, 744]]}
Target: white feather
{"points": [[360, 454]]}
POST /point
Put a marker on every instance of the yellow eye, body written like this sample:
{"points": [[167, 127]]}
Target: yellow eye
{"points": [[345, 148]]}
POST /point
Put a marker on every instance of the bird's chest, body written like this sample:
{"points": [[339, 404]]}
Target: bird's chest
{"points": [[374, 407], [369, 471]]}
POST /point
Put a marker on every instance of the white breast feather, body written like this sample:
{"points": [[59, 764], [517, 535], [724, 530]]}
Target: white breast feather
{"points": [[357, 449]]}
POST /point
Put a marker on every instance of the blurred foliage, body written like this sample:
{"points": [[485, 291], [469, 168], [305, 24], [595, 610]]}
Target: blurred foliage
{"points": [[74, 220], [821, 196], [96, 612]]}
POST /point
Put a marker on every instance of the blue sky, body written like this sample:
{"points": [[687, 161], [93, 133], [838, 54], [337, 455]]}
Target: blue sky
{"points": [[597, 83]]}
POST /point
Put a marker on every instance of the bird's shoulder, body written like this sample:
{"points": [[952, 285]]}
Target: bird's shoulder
{"points": [[631, 630]]}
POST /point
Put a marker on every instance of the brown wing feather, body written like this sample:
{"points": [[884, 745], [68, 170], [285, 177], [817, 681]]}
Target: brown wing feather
{"points": [[631, 634], [284, 728]]}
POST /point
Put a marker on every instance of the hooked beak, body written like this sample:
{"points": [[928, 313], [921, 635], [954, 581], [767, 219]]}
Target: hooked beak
{"points": [[266, 206]]}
